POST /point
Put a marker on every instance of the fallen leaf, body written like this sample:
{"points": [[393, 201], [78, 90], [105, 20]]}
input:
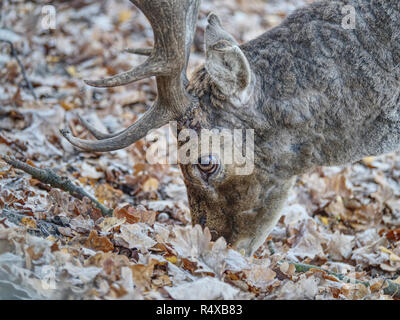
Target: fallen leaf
{"points": [[393, 235], [29, 222], [171, 258], [207, 288], [150, 185], [124, 16], [135, 236], [110, 223], [98, 243]]}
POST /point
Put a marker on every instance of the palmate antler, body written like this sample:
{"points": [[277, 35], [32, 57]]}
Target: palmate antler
{"points": [[173, 23]]}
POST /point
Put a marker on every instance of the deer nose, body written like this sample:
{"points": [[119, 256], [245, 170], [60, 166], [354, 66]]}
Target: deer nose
{"points": [[203, 223], [214, 235]]}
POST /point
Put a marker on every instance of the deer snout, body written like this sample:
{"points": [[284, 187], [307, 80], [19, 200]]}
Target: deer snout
{"points": [[217, 224]]}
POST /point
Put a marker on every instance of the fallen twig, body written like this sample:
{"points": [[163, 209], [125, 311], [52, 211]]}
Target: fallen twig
{"points": [[140, 51], [49, 177], [302, 267], [390, 288]]}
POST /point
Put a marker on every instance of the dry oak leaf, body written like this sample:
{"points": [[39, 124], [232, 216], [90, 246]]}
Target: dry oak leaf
{"points": [[135, 236], [143, 215], [151, 184], [122, 212], [66, 231], [309, 242], [191, 242], [134, 215], [162, 281], [142, 273], [29, 222], [110, 223], [106, 194], [108, 261], [340, 246], [189, 265], [260, 275], [206, 288], [393, 235], [304, 288], [33, 254], [98, 243]]}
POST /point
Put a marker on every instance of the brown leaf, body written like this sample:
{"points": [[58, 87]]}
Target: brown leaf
{"points": [[98, 243], [34, 255], [66, 231], [107, 195], [150, 185], [123, 212], [142, 273], [191, 266], [393, 235], [134, 215], [162, 281], [29, 222]]}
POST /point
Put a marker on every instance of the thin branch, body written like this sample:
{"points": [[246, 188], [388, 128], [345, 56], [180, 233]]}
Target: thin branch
{"points": [[48, 176], [140, 51], [302, 267], [391, 288], [15, 55]]}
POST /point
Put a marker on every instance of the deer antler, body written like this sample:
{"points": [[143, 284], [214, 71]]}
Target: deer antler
{"points": [[173, 23]]}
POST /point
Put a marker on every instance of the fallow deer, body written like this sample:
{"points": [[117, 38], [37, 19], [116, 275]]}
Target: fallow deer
{"points": [[315, 93]]}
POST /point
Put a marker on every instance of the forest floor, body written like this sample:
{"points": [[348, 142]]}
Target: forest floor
{"points": [[344, 221]]}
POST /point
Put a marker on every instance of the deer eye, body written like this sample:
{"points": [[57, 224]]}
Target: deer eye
{"points": [[208, 164]]}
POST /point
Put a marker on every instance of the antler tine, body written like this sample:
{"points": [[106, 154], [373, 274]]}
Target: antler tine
{"points": [[173, 23], [140, 51], [145, 70], [96, 133], [134, 132]]}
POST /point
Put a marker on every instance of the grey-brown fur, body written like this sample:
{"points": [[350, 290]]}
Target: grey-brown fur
{"points": [[323, 95], [315, 93]]}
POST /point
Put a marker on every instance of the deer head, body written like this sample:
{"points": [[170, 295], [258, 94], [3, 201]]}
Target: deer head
{"points": [[242, 207]]}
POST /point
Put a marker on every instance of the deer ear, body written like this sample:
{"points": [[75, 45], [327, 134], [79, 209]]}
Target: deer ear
{"points": [[225, 63]]}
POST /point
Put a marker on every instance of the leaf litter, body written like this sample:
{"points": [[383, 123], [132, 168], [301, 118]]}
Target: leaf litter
{"points": [[342, 219]]}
